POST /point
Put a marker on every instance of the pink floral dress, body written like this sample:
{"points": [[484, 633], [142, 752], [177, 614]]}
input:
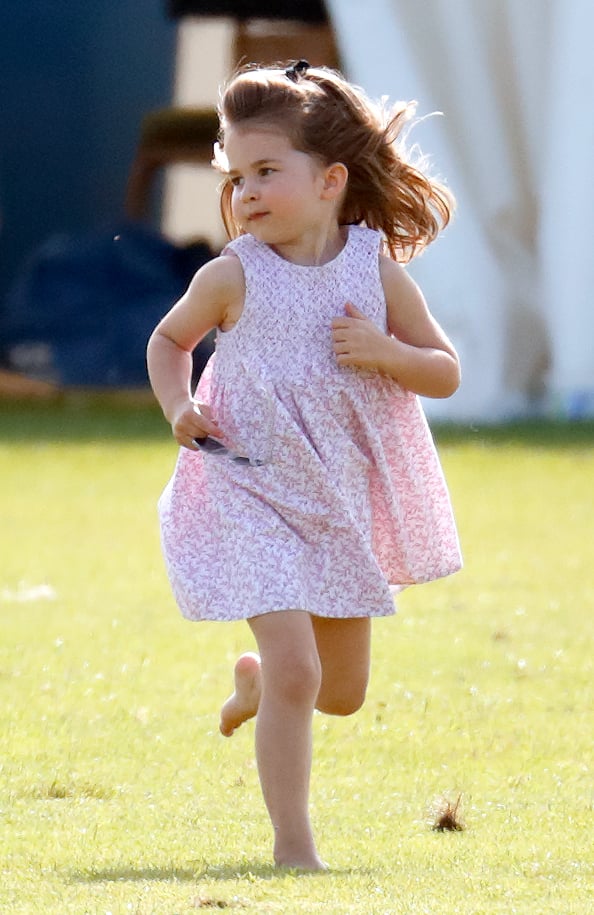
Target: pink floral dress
{"points": [[344, 500]]}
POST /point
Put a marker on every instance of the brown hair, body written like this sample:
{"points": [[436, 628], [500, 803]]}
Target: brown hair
{"points": [[325, 116]]}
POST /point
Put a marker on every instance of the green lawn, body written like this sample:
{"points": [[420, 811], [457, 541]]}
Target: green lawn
{"points": [[117, 794]]}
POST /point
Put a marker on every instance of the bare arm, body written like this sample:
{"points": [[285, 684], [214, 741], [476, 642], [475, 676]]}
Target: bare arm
{"points": [[416, 353], [213, 298]]}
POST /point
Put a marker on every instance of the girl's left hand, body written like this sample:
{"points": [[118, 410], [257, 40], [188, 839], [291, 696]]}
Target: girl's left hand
{"points": [[358, 342]]}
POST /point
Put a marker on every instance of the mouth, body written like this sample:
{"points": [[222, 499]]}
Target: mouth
{"points": [[254, 217]]}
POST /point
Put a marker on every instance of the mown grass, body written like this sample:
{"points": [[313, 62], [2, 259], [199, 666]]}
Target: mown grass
{"points": [[118, 795]]}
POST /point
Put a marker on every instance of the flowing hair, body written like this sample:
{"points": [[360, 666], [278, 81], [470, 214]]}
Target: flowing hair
{"points": [[388, 187]]}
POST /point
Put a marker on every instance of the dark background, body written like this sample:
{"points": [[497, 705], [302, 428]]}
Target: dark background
{"points": [[76, 80]]}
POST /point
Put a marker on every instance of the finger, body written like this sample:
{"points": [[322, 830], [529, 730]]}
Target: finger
{"points": [[347, 326], [340, 345], [346, 320], [345, 359], [186, 441], [339, 338], [202, 432], [353, 312], [189, 439], [344, 355], [192, 428], [207, 424]]}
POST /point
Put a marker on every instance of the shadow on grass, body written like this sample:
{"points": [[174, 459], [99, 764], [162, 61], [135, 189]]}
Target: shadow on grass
{"points": [[188, 874], [531, 433], [83, 420], [97, 419], [191, 874]]}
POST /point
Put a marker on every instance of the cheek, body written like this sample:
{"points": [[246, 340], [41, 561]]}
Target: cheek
{"points": [[235, 199]]}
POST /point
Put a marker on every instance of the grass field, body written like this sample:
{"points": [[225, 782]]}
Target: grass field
{"points": [[117, 794]]}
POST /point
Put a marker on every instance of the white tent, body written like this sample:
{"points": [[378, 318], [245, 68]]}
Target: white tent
{"points": [[512, 280]]}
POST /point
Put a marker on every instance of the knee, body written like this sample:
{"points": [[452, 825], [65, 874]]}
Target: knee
{"points": [[295, 679], [348, 701]]}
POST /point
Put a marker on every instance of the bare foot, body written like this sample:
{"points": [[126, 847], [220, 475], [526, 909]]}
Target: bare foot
{"points": [[243, 704], [304, 859], [308, 864], [297, 852]]}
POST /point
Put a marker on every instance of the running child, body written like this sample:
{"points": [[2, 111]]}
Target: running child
{"points": [[307, 489]]}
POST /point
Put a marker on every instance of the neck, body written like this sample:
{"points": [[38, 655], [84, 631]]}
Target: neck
{"points": [[315, 249]]}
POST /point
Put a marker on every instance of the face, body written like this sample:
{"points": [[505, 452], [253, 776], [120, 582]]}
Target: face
{"points": [[277, 190]]}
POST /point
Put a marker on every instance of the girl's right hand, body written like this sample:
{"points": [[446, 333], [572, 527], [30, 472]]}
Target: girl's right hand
{"points": [[193, 420]]}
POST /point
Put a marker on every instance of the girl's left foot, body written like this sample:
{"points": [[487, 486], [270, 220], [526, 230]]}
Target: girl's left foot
{"points": [[244, 702]]}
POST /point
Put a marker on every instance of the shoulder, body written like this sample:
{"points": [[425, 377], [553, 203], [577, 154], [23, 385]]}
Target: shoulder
{"points": [[395, 278], [221, 278], [214, 296]]}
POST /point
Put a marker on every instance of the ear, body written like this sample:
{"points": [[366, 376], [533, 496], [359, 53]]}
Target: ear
{"points": [[335, 180]]}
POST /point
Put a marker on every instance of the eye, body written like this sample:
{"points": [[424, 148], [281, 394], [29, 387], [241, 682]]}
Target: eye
{"points": [[236, 180], [265, 171]]}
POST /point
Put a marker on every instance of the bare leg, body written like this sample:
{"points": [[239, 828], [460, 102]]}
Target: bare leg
{"points": [[344, 650], [243, 703], [291, 679]]}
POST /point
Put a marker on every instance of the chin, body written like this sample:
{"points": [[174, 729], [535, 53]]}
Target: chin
{"points": [[262, 235]]}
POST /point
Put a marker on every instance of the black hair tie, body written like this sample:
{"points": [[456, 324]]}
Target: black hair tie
{"points": [[296, 70]]}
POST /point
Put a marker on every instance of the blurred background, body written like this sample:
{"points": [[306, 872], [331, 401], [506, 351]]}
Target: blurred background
{"points": [[108, 203]]}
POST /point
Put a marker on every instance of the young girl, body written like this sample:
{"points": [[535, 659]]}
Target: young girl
{"points": [[307, 487]]}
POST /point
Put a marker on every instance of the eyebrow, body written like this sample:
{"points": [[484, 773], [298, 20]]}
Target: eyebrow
{"points": [[257, 164]]}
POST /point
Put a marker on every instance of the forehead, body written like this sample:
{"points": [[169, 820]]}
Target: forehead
{"points": [[252, 143]]}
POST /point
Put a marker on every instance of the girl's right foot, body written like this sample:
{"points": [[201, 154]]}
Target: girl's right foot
{"points": [[308, 862], [243, 703]]}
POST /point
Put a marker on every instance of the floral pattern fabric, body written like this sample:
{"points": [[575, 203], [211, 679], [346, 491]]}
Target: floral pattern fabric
{"points": [[343, 500]]}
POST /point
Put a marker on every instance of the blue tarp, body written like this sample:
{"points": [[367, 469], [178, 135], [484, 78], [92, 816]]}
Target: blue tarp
{"points": [[89, 304]]}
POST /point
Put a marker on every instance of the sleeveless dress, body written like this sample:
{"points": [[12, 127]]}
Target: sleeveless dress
{"points": [[344, 500]]}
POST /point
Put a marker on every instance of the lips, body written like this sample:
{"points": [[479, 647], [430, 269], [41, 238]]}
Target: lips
{"points": [[255, 216]]}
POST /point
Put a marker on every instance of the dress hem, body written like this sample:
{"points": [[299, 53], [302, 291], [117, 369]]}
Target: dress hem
{"points": [[249, 616]]}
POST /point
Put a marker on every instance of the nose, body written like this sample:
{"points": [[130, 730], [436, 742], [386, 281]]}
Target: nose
{"points": [[249, 190]]}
